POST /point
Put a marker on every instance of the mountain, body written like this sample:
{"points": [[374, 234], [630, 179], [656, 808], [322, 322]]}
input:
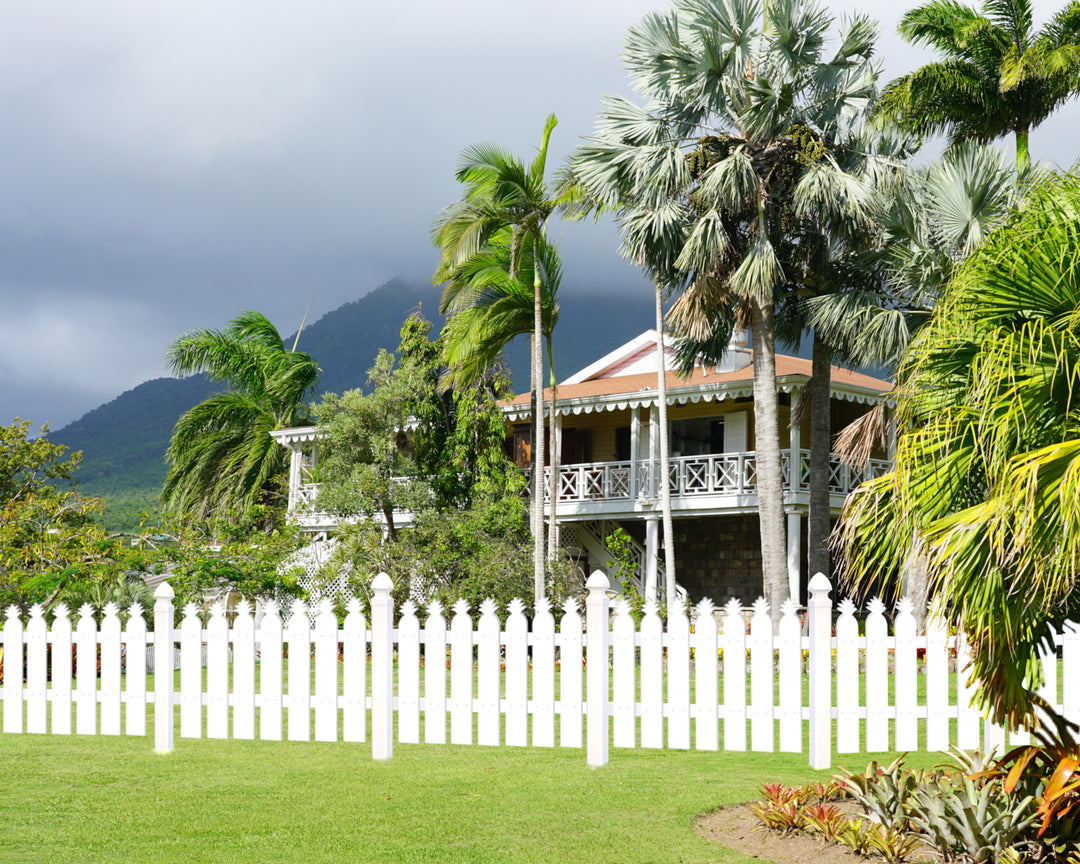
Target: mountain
{"points": [[124, 441]]}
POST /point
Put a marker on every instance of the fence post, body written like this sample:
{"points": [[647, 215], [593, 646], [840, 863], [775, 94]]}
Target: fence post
{"points": [[597, 637], [819, 619], [382, 668], [163, 668]]}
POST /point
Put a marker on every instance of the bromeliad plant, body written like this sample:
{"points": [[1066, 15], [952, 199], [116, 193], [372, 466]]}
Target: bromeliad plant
{"points": [[961, 811], [1049, 772]]}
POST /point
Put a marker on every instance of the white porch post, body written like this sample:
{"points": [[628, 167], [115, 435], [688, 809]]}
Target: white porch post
{"points": [[652, 532], [794, 554], [553, 522], [635, 452], [795, 453], [296, 461], [655, 489]]}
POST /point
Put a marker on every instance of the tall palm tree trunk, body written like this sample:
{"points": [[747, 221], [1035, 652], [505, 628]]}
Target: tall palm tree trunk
{"points": [[767, 445], [665, 458], [553, 535], [820, 446], [538, 441]]}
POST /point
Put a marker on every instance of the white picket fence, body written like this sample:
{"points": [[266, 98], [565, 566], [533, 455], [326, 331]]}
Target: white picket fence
{"points": [[493, 684]]}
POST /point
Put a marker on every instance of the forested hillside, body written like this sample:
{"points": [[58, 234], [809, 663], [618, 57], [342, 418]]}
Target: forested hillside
{"points": [[124, 441]]}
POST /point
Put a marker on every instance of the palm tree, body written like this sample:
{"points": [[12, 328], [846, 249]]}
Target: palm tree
{"points": [[931, 219], [222, 460], [488, 307], [997, 76], [987, 474], [704, 177], [502, 193]]}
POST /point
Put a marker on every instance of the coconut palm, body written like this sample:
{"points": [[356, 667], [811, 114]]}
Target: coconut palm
{"points": [[222, 460], [704, 176], [502, 193], [997, 76], [987, 472]]}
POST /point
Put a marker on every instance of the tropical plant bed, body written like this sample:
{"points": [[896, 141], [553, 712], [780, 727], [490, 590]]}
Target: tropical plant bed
{"points": [[1017, 809], [737, 828]]}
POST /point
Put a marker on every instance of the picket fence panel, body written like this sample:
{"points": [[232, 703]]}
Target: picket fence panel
{"points": [[506, 684]]}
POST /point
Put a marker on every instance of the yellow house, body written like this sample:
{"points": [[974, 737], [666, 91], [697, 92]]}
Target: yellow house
{"points": [[608, 416]]}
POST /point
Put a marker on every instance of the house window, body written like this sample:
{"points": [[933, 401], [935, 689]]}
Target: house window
{"points": [[698, 436]]}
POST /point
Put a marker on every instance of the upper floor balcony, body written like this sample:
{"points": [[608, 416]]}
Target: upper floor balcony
{"points": [[717, 476], [716, 483]]}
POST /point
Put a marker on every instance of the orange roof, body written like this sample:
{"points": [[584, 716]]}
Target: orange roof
{"points": [[628, 384]]}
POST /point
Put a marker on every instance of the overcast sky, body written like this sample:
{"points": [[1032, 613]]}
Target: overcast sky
{"points": [[165, 165]]}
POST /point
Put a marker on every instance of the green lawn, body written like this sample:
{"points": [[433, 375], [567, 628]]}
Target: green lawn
{"points": [[94, 799]]}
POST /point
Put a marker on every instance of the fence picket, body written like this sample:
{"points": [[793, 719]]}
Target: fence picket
{"points": [[652, 678], [847, 679], [734, 677], [435, 675], [570, 678], [325, 700], [517, 675], [85, 673], [190, 673], [37, 671], [789, 646], [905, 660], [243, 701], [543, 683], [271, 647], [762, 680], [678, 667], [217, 673], [877, 678], [13, 679], [409, 675], [1070, 671], [461, 675], [487, 675], [110, 671], [967, 722], [354, 697], [623, 674], [135, 641], [298, 700], [61, 660], [706, 678], [937, 687]]}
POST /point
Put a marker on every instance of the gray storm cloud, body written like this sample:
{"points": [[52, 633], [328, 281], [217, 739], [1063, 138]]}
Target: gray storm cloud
{"points": [[168, 164]]}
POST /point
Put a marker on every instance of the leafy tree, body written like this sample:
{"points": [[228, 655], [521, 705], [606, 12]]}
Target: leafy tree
{"points": [[208, 560], [409, 445], [997, 76], [50, 536], [502, 194], [222, 460], [705, 177], [985, 483], [469, 532]]}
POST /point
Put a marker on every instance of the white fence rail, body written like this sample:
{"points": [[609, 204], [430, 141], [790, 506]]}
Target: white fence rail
{"points": [[593, 680]]}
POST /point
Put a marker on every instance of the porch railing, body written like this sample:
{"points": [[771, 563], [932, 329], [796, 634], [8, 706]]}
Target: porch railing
{"points": [[715, 474]]}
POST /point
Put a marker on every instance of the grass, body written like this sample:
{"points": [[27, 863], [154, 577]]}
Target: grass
{"points": [[97, 799], [94, 799]]}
